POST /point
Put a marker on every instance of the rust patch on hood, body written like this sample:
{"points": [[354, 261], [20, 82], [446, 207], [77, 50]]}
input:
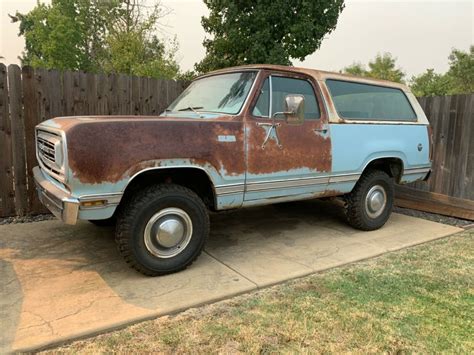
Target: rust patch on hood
{"points": [[104, 149]]}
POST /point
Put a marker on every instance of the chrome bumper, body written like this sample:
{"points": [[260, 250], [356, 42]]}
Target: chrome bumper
{"points": [[58, 201]]}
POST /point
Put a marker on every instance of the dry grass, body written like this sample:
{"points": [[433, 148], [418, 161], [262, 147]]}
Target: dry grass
{"points": [[416, 300]]}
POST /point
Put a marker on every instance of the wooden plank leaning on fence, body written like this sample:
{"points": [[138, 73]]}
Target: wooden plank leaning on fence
{"points": [[7, 194], [409, 197]]}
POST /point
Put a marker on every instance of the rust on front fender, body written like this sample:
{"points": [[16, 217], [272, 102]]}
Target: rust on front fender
{"points": [[104, 149]]}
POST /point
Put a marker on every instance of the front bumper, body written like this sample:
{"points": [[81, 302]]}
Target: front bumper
{"points": [[58, 201]]}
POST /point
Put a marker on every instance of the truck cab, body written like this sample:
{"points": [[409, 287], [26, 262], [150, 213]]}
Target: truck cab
{"points": [[237, 137]]}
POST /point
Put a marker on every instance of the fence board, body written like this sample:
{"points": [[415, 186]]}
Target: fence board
{"points": [[91, 92], [102, 94], [7, 194], [18, 139]]}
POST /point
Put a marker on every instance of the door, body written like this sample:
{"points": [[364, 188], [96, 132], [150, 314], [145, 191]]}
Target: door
{"points": [[286, 159]]}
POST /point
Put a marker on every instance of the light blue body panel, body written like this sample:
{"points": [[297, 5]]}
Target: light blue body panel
{"points": [[354, 146]]}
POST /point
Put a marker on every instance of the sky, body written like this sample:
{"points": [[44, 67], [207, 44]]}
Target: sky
{"points": [[419, 33]]}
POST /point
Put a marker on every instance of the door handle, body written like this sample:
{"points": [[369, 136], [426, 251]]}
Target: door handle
{"points": [[321, 130]]}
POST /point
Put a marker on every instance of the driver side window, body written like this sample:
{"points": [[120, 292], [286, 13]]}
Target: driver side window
{"points": [[280, 88]]}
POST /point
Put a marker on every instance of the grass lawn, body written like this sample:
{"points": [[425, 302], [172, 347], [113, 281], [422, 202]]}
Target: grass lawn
{"points": [[415, 300]]}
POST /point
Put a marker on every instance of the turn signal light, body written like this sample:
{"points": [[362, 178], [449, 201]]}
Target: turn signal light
{"points": [[93, 203]]}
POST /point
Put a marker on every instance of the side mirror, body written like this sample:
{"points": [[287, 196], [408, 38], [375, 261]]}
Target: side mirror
{"points": [[294, 107]]}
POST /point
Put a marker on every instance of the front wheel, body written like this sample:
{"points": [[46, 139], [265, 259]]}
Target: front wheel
{"points": [[370, 203], [162, 229]]}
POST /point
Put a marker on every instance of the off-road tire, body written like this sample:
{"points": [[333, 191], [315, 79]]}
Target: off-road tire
{"points": [[134, 215], [355, 202]]}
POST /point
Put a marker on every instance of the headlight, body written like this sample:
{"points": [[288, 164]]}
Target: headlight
{"points": [[58, 154]]}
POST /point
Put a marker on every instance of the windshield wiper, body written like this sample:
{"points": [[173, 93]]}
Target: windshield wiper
{"points": [[192, 108]]}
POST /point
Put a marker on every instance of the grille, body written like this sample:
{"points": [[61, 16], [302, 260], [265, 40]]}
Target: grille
{"points": [[46, 145]]}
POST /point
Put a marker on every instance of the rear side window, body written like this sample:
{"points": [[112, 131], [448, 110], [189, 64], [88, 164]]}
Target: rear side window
{"points": [[370, 102]]}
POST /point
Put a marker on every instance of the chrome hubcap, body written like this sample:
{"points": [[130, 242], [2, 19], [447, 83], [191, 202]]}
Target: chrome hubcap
{"points": [[168, 232], [375, 201]]}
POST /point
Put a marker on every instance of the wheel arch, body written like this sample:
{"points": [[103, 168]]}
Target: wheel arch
{"points": [[193, 177], [393, 165]]}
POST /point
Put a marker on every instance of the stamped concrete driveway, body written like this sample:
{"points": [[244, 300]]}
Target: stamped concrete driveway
{"points": [[61, 282]]}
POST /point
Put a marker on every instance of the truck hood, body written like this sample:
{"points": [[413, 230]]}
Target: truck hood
{"points": [[107, 149], [64, 123]]}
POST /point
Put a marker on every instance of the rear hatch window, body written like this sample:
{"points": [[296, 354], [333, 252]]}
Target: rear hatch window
{"points": [[357, 101]]}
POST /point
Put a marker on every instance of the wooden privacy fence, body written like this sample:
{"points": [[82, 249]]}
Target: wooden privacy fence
{"points": [[452, 121], [450, 188], [29, 96]]}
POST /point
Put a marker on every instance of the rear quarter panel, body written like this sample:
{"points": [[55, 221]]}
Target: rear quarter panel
{"points": [[356, 145]]}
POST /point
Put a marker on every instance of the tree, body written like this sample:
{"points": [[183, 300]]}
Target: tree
{"points": [[430, 84], [96, 36], [265, 31], [382, 67], [461, 71], [357, 69], [68, 34], [459, 79], [134, 48]]}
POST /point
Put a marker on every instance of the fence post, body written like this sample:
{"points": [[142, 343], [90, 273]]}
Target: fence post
{"points": [[7, 194]]}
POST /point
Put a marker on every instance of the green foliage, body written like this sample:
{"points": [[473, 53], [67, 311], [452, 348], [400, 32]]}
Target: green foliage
{"points": [[357, 69], [265, 31], [187, 75], [430, 84], [382, 67], [461, 71], [97, 36], [133, 47], [68, 34], [459, 79]]}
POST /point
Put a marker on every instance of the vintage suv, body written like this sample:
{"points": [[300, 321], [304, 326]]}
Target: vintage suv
{"points": [[237, 137]]}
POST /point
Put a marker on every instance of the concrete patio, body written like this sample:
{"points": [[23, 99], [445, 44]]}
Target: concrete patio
{"points": [[62, 282]]}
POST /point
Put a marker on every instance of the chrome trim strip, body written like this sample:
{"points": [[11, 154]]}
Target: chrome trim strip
{"points": [[270, 113], [344, 178], [112, 198], [229, 189], [284, 183], [260, 186], [416, 171]]}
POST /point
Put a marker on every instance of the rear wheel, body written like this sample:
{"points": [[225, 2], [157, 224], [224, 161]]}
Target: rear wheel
{"points": [[370, 203], [162, 229]]}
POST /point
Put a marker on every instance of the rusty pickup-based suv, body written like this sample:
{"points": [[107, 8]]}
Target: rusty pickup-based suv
{"points": [[238, 137]]}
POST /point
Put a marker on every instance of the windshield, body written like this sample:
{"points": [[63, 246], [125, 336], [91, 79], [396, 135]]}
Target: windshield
{"points": [[224, 93]]}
